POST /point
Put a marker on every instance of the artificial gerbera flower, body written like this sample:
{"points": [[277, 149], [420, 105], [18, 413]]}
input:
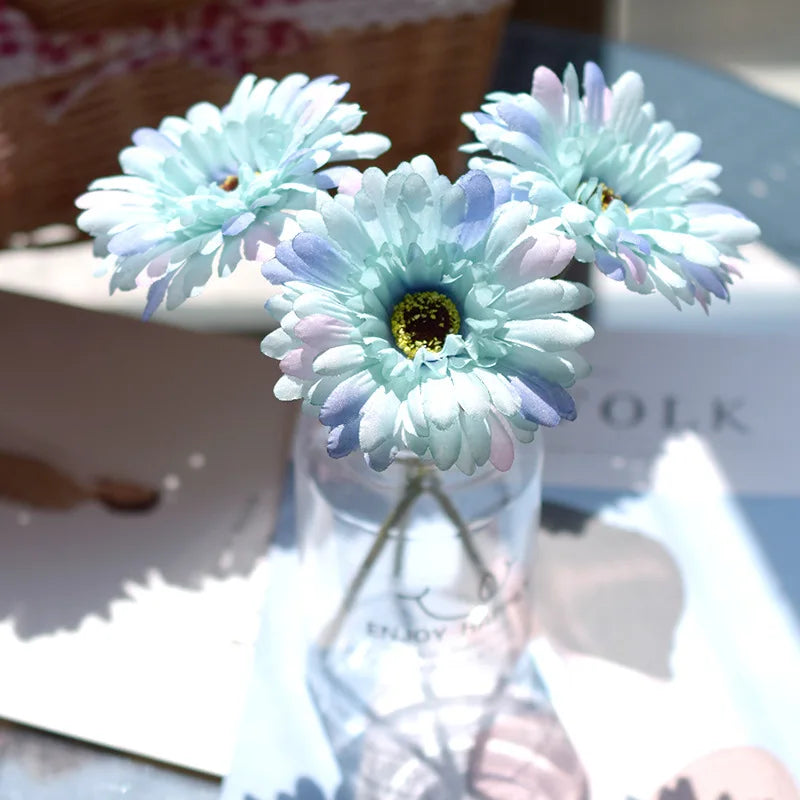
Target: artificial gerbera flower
{"points": [[626, 189], [201, 194], [419, 315]]}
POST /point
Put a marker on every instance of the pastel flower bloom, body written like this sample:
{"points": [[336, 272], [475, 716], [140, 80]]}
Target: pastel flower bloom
{"points": [[201, 194], [420, 315], [629, 191]]}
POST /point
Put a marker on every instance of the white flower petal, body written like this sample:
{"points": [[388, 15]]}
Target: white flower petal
{"points": [[361, 145], [465, 463], [504, 398], [472, 395], [378, 418], [724, 228], [439, 402], [578, 217], [289, 388], [547, 257], [277, 344], [416, 410], [555, 332], [445, 445], [477, 436], [512, 220], [344, 228], [628, 96], [338, 360]]}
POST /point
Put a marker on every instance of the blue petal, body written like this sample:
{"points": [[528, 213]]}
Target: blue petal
{"points": [[639, 242], [155, 295], [343, 439], [594, 87], [236, 224], [480, 195], [482, 118], [502, 191], [135, 240], [609, 265], [312, 259], [480, 205], [155, 140], [325, 180], [519, 119], [275, 272], [707, 278], [346, 400], [543, 402]]}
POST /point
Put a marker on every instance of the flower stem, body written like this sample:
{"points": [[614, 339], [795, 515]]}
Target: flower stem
{"points": [[488, 588], [488, 580], [413, 490]]}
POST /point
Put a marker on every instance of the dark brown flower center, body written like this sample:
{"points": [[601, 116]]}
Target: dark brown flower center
{"points": [[230, 183], [424, 319], [607, 196]]}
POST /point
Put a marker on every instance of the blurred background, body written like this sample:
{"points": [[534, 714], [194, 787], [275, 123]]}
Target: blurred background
{"points": [[754, 41]]}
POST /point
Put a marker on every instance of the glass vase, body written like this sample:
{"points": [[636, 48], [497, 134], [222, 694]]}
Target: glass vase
{"points": [[417, 610]]}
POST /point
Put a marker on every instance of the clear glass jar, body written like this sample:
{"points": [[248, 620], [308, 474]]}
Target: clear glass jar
{"points": [[416, 604]]}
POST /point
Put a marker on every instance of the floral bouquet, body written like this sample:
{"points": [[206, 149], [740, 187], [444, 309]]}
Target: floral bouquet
{"points": [[425, 325]]}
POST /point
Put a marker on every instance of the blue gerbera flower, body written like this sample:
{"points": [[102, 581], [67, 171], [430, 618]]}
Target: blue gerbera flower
{"points": [[629, 191], [420, 315], [201, 194]]}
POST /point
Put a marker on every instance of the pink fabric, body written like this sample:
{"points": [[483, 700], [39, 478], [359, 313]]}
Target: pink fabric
{"points": [[229, 36]]}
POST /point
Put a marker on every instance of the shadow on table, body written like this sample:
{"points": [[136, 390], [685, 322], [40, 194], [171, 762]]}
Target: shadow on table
{"points": [[607, 591], [306, 789], [123, 466], [737, 773]]}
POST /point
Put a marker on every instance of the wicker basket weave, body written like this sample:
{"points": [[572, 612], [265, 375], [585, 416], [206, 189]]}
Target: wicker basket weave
{"points": [[414, 81]]}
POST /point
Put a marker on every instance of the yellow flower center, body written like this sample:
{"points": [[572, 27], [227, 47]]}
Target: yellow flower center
{"points": [[230, 183], [423, 319], [607, 195]]}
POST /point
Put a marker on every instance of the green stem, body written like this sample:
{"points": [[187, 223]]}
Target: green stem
{"points": [[488, 581], [412, 492]]}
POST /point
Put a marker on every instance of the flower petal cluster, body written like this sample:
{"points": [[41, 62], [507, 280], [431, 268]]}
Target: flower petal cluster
{"points": [[628, 190], [421, 315], [200, 194]]}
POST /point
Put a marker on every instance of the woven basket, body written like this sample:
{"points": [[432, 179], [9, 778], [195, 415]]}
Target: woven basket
{"points": [[414, 81]]}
